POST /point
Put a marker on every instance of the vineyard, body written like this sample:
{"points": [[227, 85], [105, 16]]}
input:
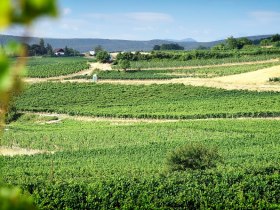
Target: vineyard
{"points": [[167, 63], [155, 101], [52, 67], [207, 72], [94, 168], [107, 146]]}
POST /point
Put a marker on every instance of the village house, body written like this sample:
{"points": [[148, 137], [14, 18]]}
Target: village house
{"points": [[59, 52]]}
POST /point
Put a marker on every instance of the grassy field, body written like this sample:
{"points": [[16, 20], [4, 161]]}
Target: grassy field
{"points": [[173, 101], [52, 67]]}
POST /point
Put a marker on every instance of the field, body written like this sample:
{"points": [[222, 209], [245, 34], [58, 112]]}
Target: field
{"points": [[52, 67], [106, 146], [93, 162], [194, 72], [167, 63]]}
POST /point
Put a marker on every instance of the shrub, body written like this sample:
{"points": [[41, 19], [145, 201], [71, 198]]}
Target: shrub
{"points": [[193, 156], [12, 114], [103, 57]]}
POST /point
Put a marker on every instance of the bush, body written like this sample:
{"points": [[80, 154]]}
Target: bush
{"points": [[103, 57], [12, 115], [193, 156]]}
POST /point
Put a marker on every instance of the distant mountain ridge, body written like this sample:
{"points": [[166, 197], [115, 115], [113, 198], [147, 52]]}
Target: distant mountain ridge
{"points": [[85, 45]]}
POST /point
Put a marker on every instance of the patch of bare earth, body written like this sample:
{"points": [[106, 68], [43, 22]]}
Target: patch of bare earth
{"points": [[256, 80], [12, 151]]}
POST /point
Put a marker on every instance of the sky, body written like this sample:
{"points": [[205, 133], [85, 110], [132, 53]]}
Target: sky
{"points": [[202, 20]]}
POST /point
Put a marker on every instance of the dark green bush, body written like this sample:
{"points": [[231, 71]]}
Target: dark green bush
{"points": [[193, 156], [12, 115]]}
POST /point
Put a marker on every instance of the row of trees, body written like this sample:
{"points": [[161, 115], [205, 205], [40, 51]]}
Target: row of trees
{"points": [[42, 49], [171, 46], [272, 41], [232, 43]]}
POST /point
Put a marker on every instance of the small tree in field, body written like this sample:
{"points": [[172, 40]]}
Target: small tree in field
{"points": [[124, 64], [103, 57]]}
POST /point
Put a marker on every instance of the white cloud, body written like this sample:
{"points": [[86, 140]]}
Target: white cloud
{"points": [[265, 16]]}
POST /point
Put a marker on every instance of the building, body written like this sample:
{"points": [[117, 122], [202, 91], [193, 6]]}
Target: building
{"points": [[92, 53], [59, 52]]}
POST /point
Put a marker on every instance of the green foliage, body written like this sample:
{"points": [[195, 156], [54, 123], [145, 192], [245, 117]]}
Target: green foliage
{"points": [[200, 57], [94, 168], [274, 79], [155, 101], [70, 52], [233, 43], [12, 114], [276, 44], [167, 63], [124, 64], [51, 67], [14, 199], [98, 49], [24, 12], [275, 38], [265, 42], [171, 46], [193, 156], [103, 57], [206, 72], [251, 190], [156, 47]]}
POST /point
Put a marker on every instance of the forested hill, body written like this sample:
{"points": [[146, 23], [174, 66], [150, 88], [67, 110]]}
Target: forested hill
{"points": [[84, 45]]}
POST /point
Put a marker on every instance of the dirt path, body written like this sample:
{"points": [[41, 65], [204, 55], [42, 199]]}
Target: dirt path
{"points": [[12, 151], [256, 80]]}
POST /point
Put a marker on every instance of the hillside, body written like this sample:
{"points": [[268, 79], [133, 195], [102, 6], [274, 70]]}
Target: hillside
{"points": [[84, 45]]}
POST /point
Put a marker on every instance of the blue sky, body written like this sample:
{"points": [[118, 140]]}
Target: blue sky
{"points": [[203, 20]]}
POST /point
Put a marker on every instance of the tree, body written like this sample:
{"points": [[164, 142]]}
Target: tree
{"points": [[221, 46], [231, 43], [171, 47], [98, 49], [275, 38], [103, 57], [124, 64], [49, 50], [244, 41], [156, 47], [43, 49], [265, 42]]}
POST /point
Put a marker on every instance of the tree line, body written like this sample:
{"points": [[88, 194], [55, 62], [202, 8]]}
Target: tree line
{"points": [[42, 49]]}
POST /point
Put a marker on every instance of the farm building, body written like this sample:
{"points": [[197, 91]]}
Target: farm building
{"points": [[59, 51], [92, 53]]}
